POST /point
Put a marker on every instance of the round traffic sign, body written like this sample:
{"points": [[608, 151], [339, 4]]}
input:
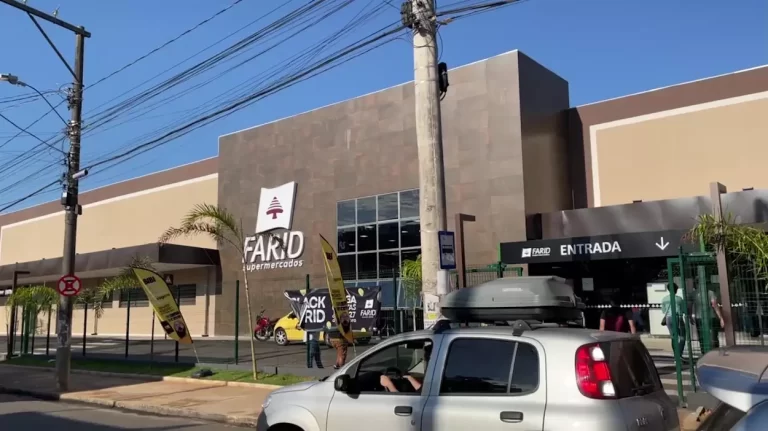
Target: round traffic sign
{"points": [[69, 285]]}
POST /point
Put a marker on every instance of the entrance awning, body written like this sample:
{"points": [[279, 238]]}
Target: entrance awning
{"points": [[600, 247], [107, 262]]}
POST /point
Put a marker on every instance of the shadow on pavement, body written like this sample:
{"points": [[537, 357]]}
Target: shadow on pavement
{"points": [[45, 421]]}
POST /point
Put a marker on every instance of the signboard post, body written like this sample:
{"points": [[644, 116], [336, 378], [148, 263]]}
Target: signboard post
{"points": [[69, 285], [447, 241]]}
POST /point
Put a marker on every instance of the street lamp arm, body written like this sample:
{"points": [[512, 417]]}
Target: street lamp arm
{"points": [[14, 80]]}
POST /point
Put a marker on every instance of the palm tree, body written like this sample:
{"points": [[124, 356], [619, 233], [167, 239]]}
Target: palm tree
{"points": [[741, 243], [34, 299], [222, 226], [125, 280], [411, 281]]}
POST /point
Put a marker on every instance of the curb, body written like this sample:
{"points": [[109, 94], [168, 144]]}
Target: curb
{"points": [[135, 408], [153, 378]]}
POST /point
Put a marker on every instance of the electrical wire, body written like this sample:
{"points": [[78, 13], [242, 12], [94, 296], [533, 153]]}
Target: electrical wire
{"points": [[28, 132], [126, 66], [312, 71], [288, 80], [29, 196], [285, 65], [358, 20], [205, 65], [182, 34]]}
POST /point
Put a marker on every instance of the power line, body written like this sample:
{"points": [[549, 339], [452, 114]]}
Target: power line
{"points": [[249, 99], [195, 54], [29, 133], [184, 33], [359, 19], [29, 196]]}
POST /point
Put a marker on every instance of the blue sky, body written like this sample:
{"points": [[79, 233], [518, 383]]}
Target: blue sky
{"points": [[604, 48]]}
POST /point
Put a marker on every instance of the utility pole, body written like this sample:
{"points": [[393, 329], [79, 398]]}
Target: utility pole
{"points": [[69, 198], [71, 211], [420, 16]]}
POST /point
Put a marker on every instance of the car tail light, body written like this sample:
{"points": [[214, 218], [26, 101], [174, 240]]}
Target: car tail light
{"points": [[593, 375]]}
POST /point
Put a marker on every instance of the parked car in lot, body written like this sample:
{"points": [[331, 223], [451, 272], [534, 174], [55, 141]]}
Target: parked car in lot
{"points": [[509, 375], [738, 378]]}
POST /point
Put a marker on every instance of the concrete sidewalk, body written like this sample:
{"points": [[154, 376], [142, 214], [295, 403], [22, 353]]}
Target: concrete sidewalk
{"points": [[232, 403]]}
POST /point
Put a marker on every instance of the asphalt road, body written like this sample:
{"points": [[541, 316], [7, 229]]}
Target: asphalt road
{"points": [[19, 413], [268, 354]]}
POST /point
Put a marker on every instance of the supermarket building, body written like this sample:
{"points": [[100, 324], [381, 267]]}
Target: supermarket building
{"points": [[517, 156]]}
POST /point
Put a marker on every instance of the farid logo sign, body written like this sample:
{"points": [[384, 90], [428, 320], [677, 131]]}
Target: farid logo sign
{"points": [[274, 244]]}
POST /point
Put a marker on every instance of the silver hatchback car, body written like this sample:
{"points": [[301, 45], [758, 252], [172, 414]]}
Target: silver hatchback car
{"points": [[484, 378]]}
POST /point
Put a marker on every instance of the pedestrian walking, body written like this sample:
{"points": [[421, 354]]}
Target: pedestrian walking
{"points": [[340, 344], [708, 317], [666, 310], [311, 338], [618, 319]]}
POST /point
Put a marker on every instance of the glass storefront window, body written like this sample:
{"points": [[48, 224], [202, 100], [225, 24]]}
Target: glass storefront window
{"points": [[366, 238], [348, 265], [345, 213], [410, 234], [346, 240], [366, 210], [387, 207], [410, 255], [366, 266], [409, 204], [389, 264], [388, 236], [375, 234]]}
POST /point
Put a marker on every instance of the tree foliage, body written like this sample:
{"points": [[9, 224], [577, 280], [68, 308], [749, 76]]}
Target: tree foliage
{"points": [[35, 298], [125, 280], [411, 278], [223, 227], [741, 243], [211, 221]]}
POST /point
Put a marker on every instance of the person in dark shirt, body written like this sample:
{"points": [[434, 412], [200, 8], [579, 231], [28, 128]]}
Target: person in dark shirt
{"points": [[618, 319], [340, 344]]}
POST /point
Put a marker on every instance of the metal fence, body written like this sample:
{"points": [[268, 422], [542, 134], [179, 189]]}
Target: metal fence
{"points": [[697, 277], [401, 312]]}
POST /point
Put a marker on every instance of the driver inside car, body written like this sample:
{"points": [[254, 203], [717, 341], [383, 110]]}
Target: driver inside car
{"points": [[387, 383]]}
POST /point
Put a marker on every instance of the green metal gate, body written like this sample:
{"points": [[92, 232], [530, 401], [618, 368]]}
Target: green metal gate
{"points": [[697, 276]]}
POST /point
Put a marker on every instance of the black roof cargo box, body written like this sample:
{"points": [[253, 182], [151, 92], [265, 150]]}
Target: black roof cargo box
{"points": [[544, 299]]}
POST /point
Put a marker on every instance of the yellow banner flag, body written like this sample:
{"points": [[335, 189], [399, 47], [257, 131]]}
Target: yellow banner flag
{"points": [[337, 291], [164, 304]]}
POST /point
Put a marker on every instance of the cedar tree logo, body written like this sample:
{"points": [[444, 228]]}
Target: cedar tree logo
{"points": [[276, 208]]}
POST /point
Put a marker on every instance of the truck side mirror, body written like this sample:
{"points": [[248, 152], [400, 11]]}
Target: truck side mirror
{"points": [[342, 383]]}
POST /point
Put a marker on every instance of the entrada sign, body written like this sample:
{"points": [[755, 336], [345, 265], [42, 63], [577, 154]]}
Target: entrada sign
{"points": [[269, 249], [619, 246]]}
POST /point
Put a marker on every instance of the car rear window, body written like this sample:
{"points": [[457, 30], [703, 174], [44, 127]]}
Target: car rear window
{"points": [[632, 369]]}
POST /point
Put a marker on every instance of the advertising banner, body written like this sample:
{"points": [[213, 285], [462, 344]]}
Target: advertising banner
{"points": [[164, 304], [336, 290], [315, 311]]}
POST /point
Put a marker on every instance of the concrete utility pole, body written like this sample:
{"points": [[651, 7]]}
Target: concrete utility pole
{"points": [[69, 198], [430, 144], [71, 211]]}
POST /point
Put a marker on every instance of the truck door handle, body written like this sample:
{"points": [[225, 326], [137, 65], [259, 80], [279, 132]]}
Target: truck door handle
{"points": [[403, 410], [511, 417]]}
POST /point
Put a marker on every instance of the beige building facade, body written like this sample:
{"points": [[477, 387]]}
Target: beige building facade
{"points": [[119, 222]]}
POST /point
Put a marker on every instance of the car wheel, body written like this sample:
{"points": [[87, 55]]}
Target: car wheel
{"points": [[281, 337]]}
